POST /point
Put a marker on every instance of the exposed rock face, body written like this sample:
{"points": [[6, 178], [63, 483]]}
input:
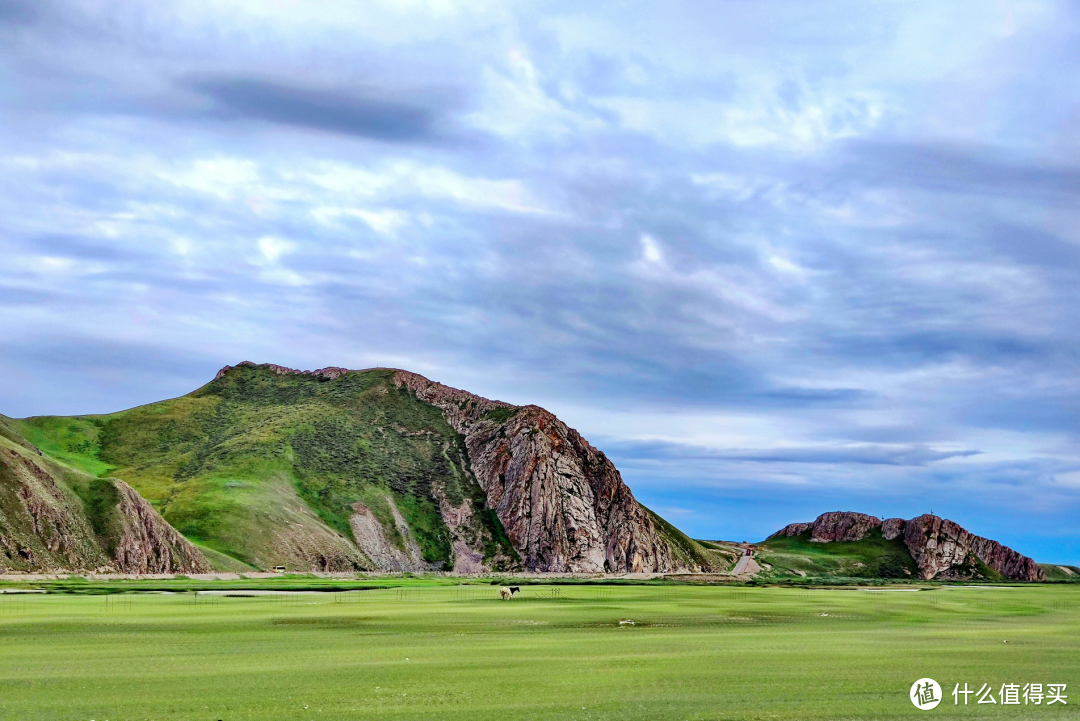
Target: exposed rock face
{"points": [[45, 526], [940, 548], [371, 538], [329, 373], [794, 529], [892, 528], [834, 526], [843, 526], [148, 544], [562, 502], [467, 536]]}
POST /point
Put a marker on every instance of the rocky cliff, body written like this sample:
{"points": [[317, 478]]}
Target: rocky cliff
{"points": [[54, 518], [146, 543], [942, 549], [562, 502], [834, 526], [939, 547]]}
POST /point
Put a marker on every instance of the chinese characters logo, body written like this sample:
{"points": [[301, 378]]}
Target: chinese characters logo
{"points": [[925, 694], [1013, 694]]}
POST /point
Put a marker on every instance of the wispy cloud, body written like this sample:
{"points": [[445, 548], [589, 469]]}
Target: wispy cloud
{"points": [[828, 249]]}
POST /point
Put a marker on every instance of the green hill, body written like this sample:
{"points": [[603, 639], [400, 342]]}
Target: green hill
{"points": [[1070, 574], [268, 468], [871, 557], [705, 555]]}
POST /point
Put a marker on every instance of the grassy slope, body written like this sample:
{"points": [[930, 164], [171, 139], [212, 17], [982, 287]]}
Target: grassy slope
{"points": [[72, 441], [1055, 572], [235, 461], [459, 653], [709, 557], [872, 557]]}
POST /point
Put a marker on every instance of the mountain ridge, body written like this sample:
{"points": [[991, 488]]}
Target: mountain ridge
{"points": [[386, 470], [378, 469]]}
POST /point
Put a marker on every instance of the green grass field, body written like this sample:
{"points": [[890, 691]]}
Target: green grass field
{"points": [[555, 652]]}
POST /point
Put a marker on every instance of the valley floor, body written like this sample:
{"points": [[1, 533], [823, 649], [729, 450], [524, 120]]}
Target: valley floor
{"points": [[443, 651]]}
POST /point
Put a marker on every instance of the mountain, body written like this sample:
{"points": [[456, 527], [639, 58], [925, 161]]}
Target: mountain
{"points": [[926, 547], [377, 469], [54, 517]]}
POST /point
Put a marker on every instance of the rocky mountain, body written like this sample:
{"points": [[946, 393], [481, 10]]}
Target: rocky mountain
{"points": [[53, 517], [562, 502], [379, 469], [939, 548]]}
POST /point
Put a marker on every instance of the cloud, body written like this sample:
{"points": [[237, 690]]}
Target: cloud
{"points": [[336, 112], [650, 249], [831, 454], [273, 248], [18, 12], [832, 251]]}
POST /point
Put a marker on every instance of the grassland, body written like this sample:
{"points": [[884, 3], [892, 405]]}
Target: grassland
{"points": [[431, 651]]}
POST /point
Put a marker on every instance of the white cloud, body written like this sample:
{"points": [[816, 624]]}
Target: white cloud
{"points": [[385, 222], [223, 177], [650, 249], [273, 248], [756, 118]]}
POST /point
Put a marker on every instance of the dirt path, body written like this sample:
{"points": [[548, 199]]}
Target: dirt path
{"points": [[747, 565]]}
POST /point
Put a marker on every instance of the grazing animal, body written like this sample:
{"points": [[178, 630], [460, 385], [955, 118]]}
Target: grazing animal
{"points": [[506, 593], [515, 590]]}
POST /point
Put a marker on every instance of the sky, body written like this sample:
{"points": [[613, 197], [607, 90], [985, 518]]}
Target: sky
{"points": [[775, 259]]}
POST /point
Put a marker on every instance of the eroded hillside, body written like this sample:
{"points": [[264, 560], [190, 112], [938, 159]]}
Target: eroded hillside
{"points": [[54, 517]]}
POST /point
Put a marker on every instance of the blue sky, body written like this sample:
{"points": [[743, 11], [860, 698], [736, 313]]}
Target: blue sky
{"points": [[774, 258]]}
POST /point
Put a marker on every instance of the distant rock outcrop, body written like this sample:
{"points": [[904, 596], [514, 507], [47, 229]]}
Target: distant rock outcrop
{"points": [[841, 526], [892, 528], [793, 529], [562, 502], [939, 547], [329, 373], [943, 549]]}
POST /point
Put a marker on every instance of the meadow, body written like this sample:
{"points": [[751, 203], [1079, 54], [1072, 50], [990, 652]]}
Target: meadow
{"points": [[555, 652]]}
